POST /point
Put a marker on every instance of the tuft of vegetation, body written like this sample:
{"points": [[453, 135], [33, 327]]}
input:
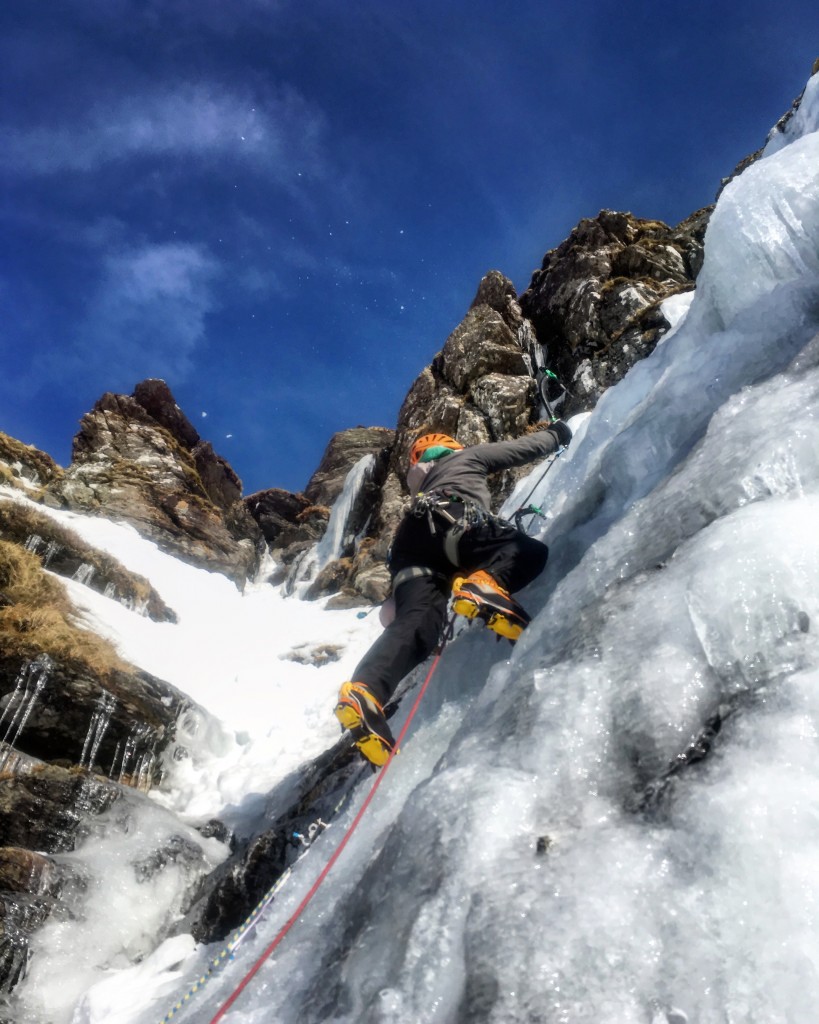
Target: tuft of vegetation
{"points": [[38, 618], [21, 522], [23, 580], [15, 456]]}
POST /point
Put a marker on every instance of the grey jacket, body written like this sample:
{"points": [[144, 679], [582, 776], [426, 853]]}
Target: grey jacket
{"points": [[463, 473]]}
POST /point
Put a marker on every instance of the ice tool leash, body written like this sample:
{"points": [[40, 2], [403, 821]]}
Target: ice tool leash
{"points": [[379, 778], [526, 508]]}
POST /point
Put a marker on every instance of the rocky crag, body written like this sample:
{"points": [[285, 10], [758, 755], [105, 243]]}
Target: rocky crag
{"points": [[138, 458], [596, 301], [82, 733]]}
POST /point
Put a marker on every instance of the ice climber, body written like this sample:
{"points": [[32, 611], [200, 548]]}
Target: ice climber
{"points": [[448, 544]]}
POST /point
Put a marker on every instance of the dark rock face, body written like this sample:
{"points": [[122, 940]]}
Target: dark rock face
{"points": [[595, 301], [139, 459], [46, 808], [154, 396], [280, 516], [289, 523], [117, 725], [303, 804], [481, 344]]}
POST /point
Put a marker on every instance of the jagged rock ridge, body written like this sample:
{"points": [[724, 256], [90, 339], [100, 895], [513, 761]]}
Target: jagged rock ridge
{"points": [[138, 458]]}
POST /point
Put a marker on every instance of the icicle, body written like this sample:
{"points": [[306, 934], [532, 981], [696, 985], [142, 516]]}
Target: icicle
{"points": [[32, 678], [114, 761], [136, 739], [110, 591], [84, 574], [51, 550], [18, 686], [139, 607], [144, 771], [34, 542], [98, 726]]}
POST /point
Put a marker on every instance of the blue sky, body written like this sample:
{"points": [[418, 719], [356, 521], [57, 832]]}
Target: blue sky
{"points": [[283, 208]]}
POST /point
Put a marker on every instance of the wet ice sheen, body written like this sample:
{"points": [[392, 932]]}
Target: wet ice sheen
{"points": [[503, 874]]}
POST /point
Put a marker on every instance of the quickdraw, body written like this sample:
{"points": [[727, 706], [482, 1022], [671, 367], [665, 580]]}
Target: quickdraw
{"points": [[529, 510], [551, 404]]}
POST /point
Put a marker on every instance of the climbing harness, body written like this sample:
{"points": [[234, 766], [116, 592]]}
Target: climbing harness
{"points": [[446, 636], [437, 503]]}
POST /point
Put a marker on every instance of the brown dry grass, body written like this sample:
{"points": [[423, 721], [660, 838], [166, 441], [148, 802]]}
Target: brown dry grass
{"points": [[12, 450], [22, 579], [19, 521], [39, 617]]}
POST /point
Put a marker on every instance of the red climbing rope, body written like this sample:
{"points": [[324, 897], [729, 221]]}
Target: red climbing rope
{"points": [[328, 866]]}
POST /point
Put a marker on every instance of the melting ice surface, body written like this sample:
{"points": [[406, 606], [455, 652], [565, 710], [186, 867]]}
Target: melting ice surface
{"points": [[531, 856]]}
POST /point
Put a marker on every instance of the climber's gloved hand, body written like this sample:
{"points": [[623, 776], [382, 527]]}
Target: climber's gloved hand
{"points": [[562, 432]]}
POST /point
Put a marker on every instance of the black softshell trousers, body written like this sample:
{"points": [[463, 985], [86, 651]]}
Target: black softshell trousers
{"points": [[507, 554]]}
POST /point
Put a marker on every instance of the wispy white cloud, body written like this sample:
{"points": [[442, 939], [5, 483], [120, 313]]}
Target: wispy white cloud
{"points": [[279, 132], [148, 315]]}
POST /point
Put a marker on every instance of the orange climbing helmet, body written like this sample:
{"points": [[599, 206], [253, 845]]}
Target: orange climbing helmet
{"points": [[424, 449]]}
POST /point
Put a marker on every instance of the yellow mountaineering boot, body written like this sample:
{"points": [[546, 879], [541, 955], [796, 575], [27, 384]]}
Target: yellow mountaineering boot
{"points": [[363, 717], [479, 596]]}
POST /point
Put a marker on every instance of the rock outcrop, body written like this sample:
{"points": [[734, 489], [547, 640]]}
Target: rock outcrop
{"points": [[25, 467], [79, 728], [344, 450], [139, 459], [595, 301], [290, 525]]}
